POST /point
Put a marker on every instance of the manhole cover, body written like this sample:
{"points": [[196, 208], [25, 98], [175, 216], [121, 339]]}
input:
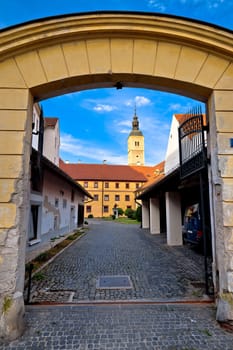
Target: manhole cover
{"points": [[114, 282]]}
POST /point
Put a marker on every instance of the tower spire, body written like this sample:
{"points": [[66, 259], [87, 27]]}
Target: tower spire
{"points": [[135, 122], [135, 142]]}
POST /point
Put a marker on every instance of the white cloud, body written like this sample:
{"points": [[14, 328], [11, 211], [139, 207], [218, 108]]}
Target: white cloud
{"points": [[104, 108], [74, 149], [215, 4], [139, 101], [180, 108], [127, 123], [142, 101], [175, 107], [124, 131], [156, 4], [120, 127]]}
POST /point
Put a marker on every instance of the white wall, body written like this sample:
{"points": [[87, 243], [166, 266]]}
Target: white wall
{"points": [[173, 219], [52, 143], [172, 160], [54, 187]]}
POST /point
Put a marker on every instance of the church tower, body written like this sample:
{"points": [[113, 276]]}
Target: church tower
{"points": [[135, 144]]}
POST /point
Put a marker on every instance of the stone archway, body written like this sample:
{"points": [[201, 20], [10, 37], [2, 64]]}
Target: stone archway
{"points": [[53, 56]]}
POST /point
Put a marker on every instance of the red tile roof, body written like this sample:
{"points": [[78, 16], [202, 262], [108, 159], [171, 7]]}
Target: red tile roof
{"points": [[183, 117], [157, 173], [50, 122], [150, 184], [104, 172]]}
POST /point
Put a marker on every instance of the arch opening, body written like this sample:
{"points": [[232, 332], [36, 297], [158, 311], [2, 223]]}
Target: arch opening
{"points": [[98, 192]]}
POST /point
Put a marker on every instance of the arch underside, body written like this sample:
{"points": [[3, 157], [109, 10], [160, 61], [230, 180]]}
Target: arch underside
{"points": [[96, 81]]}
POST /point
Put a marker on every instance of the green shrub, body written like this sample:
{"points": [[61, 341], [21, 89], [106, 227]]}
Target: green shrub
{"points": [[120, 211], [42, 257], [90, 216], [39, 276], [139, 214], [130, 213], [71, 238]]}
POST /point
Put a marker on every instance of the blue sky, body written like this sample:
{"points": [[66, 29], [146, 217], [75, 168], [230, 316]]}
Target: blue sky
{"points": [[95, 124]]}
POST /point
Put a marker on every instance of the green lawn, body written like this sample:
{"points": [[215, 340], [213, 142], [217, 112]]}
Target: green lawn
{"points": [[123, 220]]}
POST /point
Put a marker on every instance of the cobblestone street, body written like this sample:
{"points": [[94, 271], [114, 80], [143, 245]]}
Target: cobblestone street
{"points": [[155, 270], [136, 327], [94, 320]]}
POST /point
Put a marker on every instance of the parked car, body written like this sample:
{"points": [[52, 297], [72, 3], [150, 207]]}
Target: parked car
{"points": [[192, 231]]}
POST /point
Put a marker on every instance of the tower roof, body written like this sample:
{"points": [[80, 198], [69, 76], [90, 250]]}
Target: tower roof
{"points": [[135, 126]]}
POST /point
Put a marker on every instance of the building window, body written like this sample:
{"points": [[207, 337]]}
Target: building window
{"points": [[64, 203], [88, 208], [33, 232], [137, 185], [56, 202], [85, 184], [105, 208], [117, 197], [136, 143], [117, 185], [127, 185], [96, 197], [106, 184], [129, 207], [127, 198], [96, 184], [106, 197]]}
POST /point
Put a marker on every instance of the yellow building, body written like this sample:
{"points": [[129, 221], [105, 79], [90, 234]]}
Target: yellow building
{"points": [[114, 186]]}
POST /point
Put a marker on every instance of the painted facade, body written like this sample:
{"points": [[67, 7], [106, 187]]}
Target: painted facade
{"points": [[109, 195], [111, 186], [56, 201]]}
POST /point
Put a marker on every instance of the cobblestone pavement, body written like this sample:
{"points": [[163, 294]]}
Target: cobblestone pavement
{"points": [[156, 270], [136, 327]]}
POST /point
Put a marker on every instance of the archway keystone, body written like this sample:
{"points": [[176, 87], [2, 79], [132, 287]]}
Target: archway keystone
{"points": [[54, 56]]}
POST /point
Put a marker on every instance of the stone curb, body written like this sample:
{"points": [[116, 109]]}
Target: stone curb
{"points": [[54, 257]]}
